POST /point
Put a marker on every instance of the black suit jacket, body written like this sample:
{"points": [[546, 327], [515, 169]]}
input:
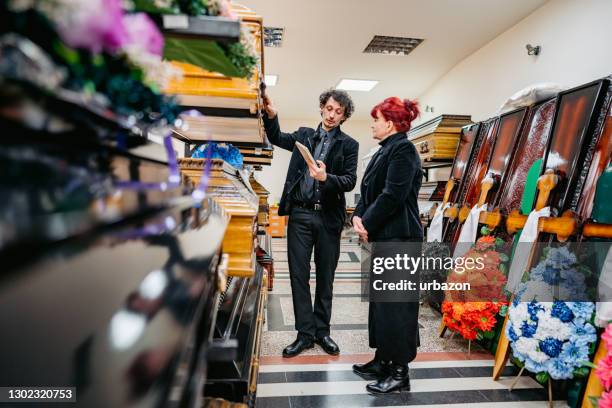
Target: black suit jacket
{"points": [[389, 190], [340, 162]]}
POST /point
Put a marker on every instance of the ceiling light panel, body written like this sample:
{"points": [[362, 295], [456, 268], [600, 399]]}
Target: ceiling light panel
{"points": [[271, 80], [381, 44], [356, 85]]}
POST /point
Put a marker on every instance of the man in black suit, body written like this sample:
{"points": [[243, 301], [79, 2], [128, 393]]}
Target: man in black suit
{"points": [[313, 197]]}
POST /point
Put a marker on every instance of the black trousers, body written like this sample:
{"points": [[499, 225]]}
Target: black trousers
{"points": [[306, 231], [393, 327]]}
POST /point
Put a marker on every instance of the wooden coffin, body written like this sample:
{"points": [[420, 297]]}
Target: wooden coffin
{"points": [[257, 156], [490, 177], [465, 152], [235, 196], [263, 219], [530, 148], [475, 172], [437, 139], [201, 129]]}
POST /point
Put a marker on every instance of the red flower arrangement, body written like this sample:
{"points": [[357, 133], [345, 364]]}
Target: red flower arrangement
{"points": [[471, 318], [472, 313], [604, 370]]}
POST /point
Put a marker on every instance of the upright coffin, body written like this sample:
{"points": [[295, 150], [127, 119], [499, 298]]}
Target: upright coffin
{"points": [[478, 164], [575, 154]]}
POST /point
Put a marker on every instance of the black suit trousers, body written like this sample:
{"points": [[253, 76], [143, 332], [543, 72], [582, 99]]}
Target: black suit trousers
{"points": [[306, 231]]}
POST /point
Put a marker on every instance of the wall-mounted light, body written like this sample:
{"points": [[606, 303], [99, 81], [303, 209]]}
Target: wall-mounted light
{"points": [[531, 50]]}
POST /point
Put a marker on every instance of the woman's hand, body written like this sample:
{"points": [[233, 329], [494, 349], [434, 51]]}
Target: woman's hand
{"points": [[360, 229]]}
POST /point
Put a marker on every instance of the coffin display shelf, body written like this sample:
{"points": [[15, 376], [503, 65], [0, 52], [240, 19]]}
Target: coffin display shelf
{"points": [[229, 106], [214, 28]]}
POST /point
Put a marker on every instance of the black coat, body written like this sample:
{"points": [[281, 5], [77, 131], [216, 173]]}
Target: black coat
{"points": [[389, 190], [340, 162]]}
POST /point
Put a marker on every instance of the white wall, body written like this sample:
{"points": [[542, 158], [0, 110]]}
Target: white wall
{"points": [[273, 177], [576, 40]]}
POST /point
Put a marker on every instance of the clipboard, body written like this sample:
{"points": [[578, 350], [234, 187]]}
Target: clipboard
{"points": [[306, 154]]}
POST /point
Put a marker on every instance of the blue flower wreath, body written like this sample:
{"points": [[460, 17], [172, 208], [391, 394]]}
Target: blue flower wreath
{"points": [[223, 151]]}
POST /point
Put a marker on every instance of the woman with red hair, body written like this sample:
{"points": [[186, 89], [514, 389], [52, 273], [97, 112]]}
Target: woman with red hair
{"points": [[388, 212]]}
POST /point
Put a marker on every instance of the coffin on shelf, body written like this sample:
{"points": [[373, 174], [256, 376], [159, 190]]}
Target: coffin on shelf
{"points": [[437, 139]]}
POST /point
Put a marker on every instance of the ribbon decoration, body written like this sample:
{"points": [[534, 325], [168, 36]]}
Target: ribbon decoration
{"points": [[174, 176], [199, 193], [469, 231], [526, 240], [434, 233]]}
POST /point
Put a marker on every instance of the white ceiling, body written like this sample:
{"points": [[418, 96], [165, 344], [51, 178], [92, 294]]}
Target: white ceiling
{"points": [[324, 40]]}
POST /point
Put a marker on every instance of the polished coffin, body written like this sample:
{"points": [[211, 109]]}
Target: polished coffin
{"points": [[464, 154], [122, 314], [514, 188], [531, 147], [263, 218], [240, 318], [105, 285], [55, 186], [257, 156], [476, 168], [437, 139], [234, 194], [488, 177]]}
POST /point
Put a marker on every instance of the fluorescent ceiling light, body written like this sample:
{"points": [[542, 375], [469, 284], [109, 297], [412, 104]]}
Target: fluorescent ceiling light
{"points": [[356, 85], [271, 80]]}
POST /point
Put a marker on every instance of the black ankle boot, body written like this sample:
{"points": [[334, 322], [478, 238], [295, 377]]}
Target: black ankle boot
{"points": [[372, 370], [397, 380]]}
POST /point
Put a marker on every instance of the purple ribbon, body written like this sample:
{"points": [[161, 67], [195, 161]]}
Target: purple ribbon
{"points": [[200, 191], [174, 177]]}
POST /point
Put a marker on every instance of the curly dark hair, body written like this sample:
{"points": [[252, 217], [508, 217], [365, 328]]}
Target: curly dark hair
{"points": [[340, 96]]}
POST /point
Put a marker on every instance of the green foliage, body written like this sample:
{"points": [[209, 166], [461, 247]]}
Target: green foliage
{"points": [[241, 59], [193, 7], [542, 377], [581, 372]]}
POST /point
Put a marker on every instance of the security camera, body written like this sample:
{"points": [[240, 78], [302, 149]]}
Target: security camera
{"points": [[531, 50]]}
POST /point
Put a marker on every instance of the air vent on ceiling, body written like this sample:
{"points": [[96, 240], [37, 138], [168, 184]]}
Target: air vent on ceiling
{"points": [[381, 44], [273, 36]]}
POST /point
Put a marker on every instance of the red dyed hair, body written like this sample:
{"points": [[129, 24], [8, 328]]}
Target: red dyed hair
{"points": [[400, 112]]}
